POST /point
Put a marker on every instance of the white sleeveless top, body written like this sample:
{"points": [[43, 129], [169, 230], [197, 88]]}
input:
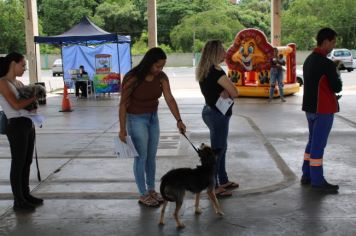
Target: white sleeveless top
{"points": [[9, 111]]}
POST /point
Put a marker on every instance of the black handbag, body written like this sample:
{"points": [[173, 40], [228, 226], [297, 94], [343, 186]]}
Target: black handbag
{"points": [[3, 122]]}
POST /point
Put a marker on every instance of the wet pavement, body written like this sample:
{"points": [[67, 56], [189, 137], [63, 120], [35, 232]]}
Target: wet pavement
{"points": [[88, 191]]}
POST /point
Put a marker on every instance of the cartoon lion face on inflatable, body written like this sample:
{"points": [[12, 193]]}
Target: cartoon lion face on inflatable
{"points": [[250, 52]]}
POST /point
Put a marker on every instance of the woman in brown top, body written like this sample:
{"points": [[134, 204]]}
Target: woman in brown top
{"points": [[141, 88]]}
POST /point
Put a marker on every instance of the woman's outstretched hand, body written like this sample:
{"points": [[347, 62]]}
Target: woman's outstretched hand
{"points": [[181, 127]]}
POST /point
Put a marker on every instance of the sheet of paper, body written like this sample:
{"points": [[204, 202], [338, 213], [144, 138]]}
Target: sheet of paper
{"points": [[36, 119], [125, 150], [223, 104]]}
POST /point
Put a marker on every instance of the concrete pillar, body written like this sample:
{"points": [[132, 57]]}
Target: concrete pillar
{"points": [[32, 52], [152, 23], [276, 7]]}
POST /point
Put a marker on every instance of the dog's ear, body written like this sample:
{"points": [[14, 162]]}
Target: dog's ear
{"points": [[200, 152]]}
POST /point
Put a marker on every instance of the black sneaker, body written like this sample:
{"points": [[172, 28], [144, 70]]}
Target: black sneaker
{"points": [[23, 207], [326, 187], [305, 181], [34, 200]]}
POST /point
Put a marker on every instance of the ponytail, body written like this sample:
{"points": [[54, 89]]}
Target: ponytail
{"points": [[6, 61], [4, 66]]}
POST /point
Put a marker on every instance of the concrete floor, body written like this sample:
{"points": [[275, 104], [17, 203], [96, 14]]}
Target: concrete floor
{"points": [[88, 191]]}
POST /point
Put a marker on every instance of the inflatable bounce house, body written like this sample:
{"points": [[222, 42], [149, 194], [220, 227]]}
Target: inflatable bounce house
{"points": [[249, 64]]}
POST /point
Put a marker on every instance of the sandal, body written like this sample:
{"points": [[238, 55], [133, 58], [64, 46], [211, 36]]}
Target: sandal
{"points": [[148, 201], [230, 185], [222, 192], [156, 196]]}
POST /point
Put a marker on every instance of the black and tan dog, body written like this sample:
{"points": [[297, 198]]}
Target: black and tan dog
{"points": [[175, 182]]}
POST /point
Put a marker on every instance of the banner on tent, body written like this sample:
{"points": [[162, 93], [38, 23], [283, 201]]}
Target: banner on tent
{"points": [[107, 83], [102, 63]]}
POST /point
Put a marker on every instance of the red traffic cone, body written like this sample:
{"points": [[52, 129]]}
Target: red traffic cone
{"points": [[65, 101]]}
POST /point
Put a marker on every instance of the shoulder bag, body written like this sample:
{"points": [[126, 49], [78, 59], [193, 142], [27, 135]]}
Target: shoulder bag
{"points": [[3, 122]]}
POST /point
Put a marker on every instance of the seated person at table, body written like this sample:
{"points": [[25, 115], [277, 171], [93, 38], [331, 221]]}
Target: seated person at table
{"points": [[80, 84]]}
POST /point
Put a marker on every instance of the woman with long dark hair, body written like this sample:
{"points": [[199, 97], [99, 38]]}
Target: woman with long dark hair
{"points": [[20, 131], [141, 88]]}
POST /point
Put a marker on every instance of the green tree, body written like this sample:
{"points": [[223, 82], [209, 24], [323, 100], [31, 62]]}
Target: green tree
{"points": [[300, 24], [12, 26], [141, 5], [141, 45], [341, 16], [121, 17], [210, 16], [251, 19], [263, 6], [301, 31], [254, 14], [207, 5], [59, 16], [202, 27], [304, 18], [286, 4], [170, 13]]}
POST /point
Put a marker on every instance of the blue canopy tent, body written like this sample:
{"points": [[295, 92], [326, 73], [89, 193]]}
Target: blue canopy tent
{"points": [[82, 42]]}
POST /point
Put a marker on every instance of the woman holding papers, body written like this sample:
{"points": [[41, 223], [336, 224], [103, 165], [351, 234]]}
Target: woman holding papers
{"points": [[219, 93], [141, 88], [20, 131]]}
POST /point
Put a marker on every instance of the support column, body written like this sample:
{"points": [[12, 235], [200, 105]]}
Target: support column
{"points": [[152, 23], [276, 7], [32, 52]]}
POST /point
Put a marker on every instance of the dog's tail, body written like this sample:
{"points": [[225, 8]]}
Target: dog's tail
{"points": [[164, 188]]}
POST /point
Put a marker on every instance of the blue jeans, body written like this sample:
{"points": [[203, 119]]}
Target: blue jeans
{"points": [[276, 75], [218, 125], [319, 129], [144, 131]]}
